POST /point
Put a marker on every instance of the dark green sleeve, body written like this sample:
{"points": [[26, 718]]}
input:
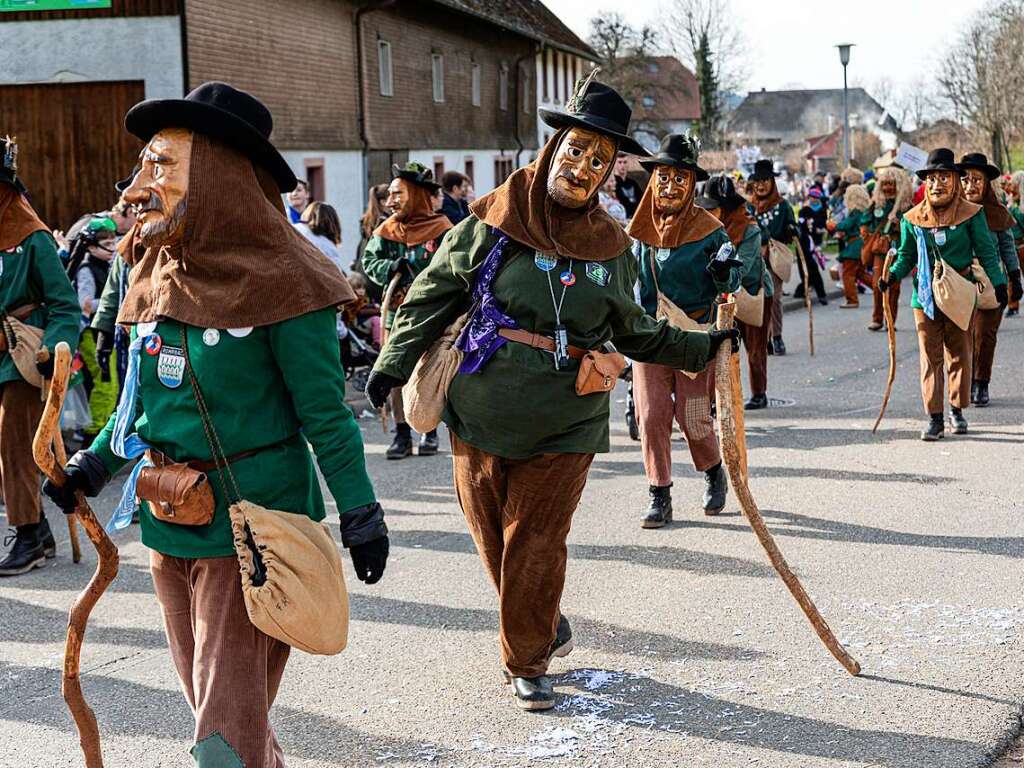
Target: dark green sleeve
{"points": [[731, 284], [640, 337], [985, 248], [306, 351], [106, 310], [101, 444], [906, 254], [788, 223], [1007, 250], [749, 252], [62, 310], [377, 260]]}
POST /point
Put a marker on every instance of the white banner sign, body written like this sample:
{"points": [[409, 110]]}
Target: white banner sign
{"points": [[910, 157]]}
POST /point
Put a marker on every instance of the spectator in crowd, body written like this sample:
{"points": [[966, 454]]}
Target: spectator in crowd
{"points": [[454, 186], [811, 221], [321, 226], [297, 199], [372, 218], [627, 190], [611, 203]]}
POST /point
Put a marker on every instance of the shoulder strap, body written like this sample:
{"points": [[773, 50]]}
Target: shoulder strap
{"points": [[654, 271]]}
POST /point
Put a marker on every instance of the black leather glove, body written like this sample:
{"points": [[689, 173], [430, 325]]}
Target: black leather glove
{"points": [[1016, 289], [395, 267], [370, 559], [46, 369], [1002, 295], [379, 386], [84, 472], [717, 337], [104, 348], [719, 270], [882, 284]]}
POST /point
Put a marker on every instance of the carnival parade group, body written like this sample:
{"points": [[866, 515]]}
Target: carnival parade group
{"points": [[511, 327]]}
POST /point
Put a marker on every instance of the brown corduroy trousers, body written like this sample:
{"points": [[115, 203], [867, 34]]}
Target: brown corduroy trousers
{"points": [[20, 411], [851, 271], [661, 393], [893, 294], [775, 327], [229, 670], [755, 339], [945, 351], [985, 329], [519, 512]]}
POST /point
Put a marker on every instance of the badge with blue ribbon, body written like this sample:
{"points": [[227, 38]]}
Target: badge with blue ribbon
{"points": [[170, 366]]}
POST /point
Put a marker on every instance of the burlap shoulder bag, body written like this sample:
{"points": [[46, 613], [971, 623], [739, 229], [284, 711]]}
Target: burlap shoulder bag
{"points": [[426, 392], [292, 580], [23, 344], [750, 309], [677, 318], [780, 260], [986, 292], [954, 294]]}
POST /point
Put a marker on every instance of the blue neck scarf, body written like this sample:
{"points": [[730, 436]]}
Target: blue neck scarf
{"points": [[924, 275]]}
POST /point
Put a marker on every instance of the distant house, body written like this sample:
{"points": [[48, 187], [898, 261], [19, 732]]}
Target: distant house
{"points": [[781, 120], [670, 102], [823, 152]]}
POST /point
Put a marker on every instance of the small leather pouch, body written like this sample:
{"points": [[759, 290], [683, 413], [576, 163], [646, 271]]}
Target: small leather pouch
{"points": [[598, 372], [177, 494]]}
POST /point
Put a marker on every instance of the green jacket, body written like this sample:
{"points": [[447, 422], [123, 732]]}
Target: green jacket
{"points": [[777, 223], [873, 223], [755, 273], [683, 277], [848, 232], [1008, 259], [965, 242], [382, 258], [31, 273], [1017, 230], [518, 405], [105, 317], [261, 389]]}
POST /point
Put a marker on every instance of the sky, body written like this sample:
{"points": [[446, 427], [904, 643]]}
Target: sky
{"points": [[791, 44]]}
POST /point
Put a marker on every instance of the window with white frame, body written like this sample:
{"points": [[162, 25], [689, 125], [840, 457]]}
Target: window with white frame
{"points": [[387, 85], [437, 70], [503, 87], [475, 83]]}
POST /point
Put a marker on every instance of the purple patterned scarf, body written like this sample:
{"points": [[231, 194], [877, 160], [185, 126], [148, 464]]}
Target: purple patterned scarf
{"points": [[479, 339]]}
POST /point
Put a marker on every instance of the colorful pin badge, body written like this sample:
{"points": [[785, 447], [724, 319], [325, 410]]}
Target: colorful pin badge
{"points": [[545, 263], [153, 344], [940, 237], [567, 278], [211, 336], [598, 273]]}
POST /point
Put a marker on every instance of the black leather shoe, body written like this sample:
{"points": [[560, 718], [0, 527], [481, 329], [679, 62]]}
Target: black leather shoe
{"points": [[1012, 312], [659, 512], [771, 347], [756, 403], [533, 693], [778, 346], [716, 486], [981, 394], [631, 425], [974, 393], [428, 444], [26, 554], [935, 430], [957, 421], [46, 538], [563, 640], [823, 301], [400, 447]]}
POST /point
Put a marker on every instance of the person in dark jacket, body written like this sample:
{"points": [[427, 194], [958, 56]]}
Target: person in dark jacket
{"points": [[454, 186], [811, 220]]}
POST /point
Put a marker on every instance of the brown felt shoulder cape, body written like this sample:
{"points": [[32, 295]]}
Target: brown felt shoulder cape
{"points": [[652, 227], [18, 220], [240, 264], [996, 216], [957, 212], [421, 224], [522, 209], [736, 222]]}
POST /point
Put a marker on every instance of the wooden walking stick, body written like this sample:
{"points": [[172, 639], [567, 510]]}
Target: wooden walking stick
{"points": [[890, 331], [106, 566], [42, 356], [385, 307], [732, 438], [807, 296]]}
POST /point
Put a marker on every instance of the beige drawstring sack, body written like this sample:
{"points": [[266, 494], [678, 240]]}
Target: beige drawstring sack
{"points": [[986, 292], [426, 392], [750, 309], [954, 294], [24, 342], [780, 260]]}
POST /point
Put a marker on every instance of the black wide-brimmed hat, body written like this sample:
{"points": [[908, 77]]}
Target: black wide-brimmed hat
{"points": [[941, 159], [418, 174], [720, 192], [763, 170], [9, 163], [596, 107], [221, 112], [979, 161], [679, 150]]}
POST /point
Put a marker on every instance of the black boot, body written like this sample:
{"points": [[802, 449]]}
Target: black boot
{"points": [[935, 430], [46, 538], [660, 510], [756, 403], [957, 421], [1012, 311], [27, 552], [974, 393], [778, 346], [428, 443], [631, 425], [563, 640], [981, 396], [533, 693], [402, 444], [771, 347], [716, 486]]}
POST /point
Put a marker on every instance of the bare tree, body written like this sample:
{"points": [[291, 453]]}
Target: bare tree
{"points": [[625, 52]]}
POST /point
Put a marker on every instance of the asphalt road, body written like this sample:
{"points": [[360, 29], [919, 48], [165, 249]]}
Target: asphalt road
{"points": [[689, 650]]}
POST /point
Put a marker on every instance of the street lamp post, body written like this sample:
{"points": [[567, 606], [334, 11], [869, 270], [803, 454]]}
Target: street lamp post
{"points": [[844, 59]]}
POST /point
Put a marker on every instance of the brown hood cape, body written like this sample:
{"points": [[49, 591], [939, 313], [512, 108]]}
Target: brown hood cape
{"points": [[421, 224], [650, 226], [736, 222], [240, 264], [957, 212], [522, 209], [17, 218], [760, 206], [998, 218]]}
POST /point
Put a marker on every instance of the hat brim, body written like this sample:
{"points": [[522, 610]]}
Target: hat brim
{"points": [[763, 177], [559, 120], [650, 164], [923, 172], [412, 178], [148, 118], [991, 172], [710, 203]]}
